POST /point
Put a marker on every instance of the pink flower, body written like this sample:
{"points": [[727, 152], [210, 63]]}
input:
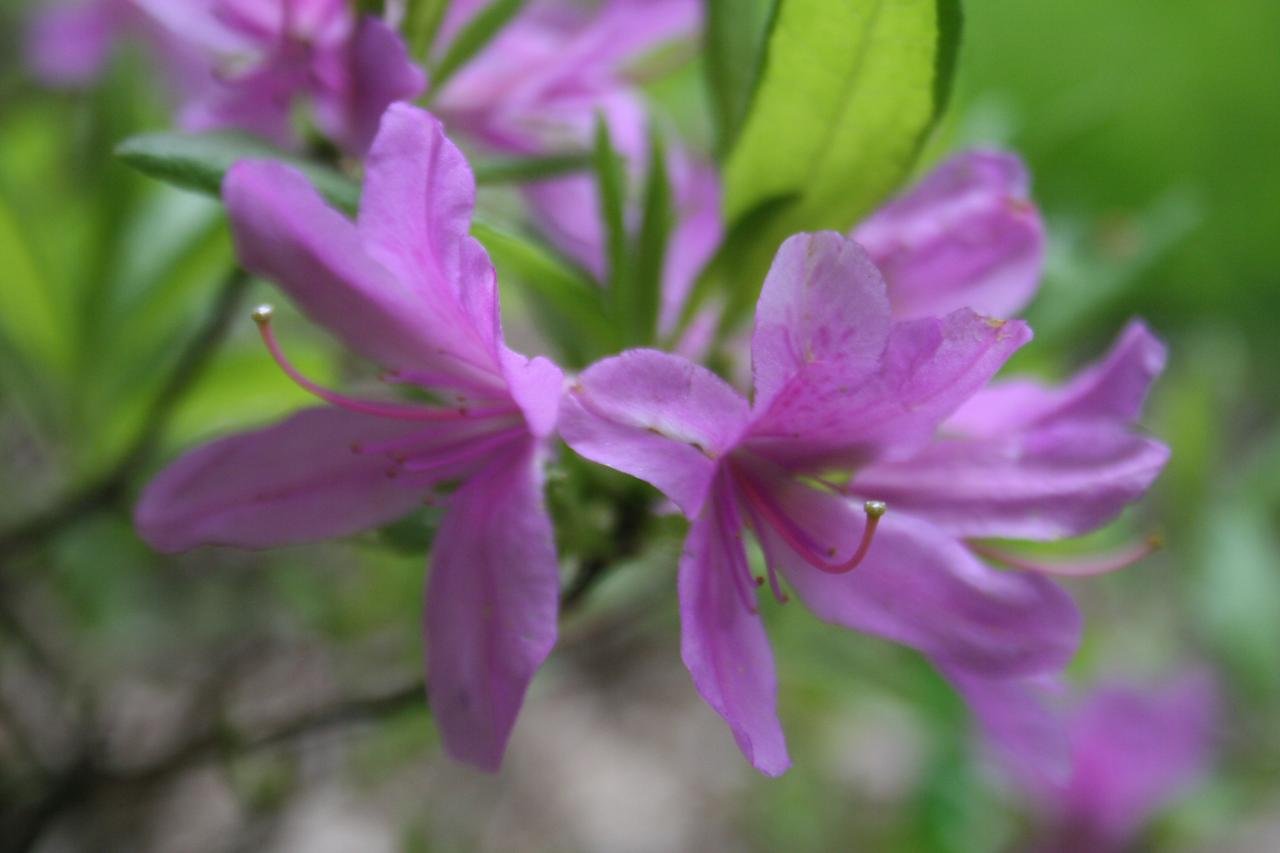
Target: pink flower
{"points": [[839, 386], [266, 56], [406, 287]]}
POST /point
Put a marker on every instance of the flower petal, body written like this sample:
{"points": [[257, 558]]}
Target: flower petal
{"points": [[536, 385], [1133, 749], [380, 73], [657, 417], [725, 647], [966, 236], [928, 368], [285, 232], [821, 326], [296, 481], [922, 588], [698, 230], [1115, 388], [1053, 481], [415, 218], [67, 45], [491, 605]]}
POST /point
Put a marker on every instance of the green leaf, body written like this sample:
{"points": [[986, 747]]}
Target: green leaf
{"points": [[611, 185], [569, 302], [734, 41], [848, 92], [518, 170], [642, 297], [422, 21], [199, 162], [472, 38]]}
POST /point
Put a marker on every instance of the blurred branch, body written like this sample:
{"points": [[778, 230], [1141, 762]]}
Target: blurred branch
{"points": [[109, 488]]}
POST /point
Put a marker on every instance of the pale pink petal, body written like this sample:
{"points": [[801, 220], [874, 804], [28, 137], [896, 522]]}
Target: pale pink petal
{"points": [[415, 218], [822, 323], [285, 232], [536, 385], [695, 238], [920, 587], [257, 102], [1113, 388], [67, 44], [491, 605], [967, 236], [928, 369], [1046, 483], [657, 417], [725, 647], [298, 481]]}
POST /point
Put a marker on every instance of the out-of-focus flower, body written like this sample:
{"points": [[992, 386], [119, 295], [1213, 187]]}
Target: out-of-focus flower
{"points": [[68, 43], [407, 287], [838, 386], [268, 56], [1133, 750], [966, 236]]}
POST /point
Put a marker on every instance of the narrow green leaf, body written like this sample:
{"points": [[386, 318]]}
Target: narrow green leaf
{"points": [[517, 170], [199, 162], [569, 302], [612, 189], [422, 21], [644, 282], [734, 42], [848, 91], [472, 38]]}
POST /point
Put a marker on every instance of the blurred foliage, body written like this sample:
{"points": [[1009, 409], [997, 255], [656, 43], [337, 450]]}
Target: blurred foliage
{"points": [[1151, 130]]}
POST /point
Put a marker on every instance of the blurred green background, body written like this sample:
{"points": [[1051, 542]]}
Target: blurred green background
{"points": [[1153, 135]]}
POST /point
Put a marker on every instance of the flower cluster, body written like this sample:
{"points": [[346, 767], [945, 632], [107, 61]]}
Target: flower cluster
{"points": [[865, 471]]}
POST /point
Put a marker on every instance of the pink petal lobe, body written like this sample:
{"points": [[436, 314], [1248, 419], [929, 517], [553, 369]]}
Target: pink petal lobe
{"points": [[492, 600], [297, 481], [1045, 483], [920, 587], [67, 44], [725, 647], [657, 417], [928, 368], [415, 218], [1113, 388], [536, 385], [823, 316], [967, 236], [378, 74], [285, 232]]}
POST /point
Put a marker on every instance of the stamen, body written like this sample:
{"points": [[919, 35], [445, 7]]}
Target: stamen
{"points": [[394, 411], [1074, 567], [461, 451], [801, 542], [731, 542], [769, 561]]}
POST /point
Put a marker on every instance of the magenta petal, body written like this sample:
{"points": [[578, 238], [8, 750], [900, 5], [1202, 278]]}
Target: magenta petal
{"points": [[922, 588], [67, 44], [415, 218], [1113, 388], [725, 647], [297, 481], [536, 385], [967, 236], [379, 74], [1133, 750], [657, 417], [491, 605], [1053, 481], [928, 368], [285, 232], [698, 231], [821, 325]]}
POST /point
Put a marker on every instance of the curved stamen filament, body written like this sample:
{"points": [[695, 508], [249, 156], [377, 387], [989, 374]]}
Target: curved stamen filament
{"points": [[731, 544], [459, 452], [394, 411], [800, 541], [1094, 564]]}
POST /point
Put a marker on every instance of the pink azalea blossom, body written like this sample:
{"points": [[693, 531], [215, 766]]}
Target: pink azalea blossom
{"points": [[839, 386], [408, 288], [266, 56]]}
